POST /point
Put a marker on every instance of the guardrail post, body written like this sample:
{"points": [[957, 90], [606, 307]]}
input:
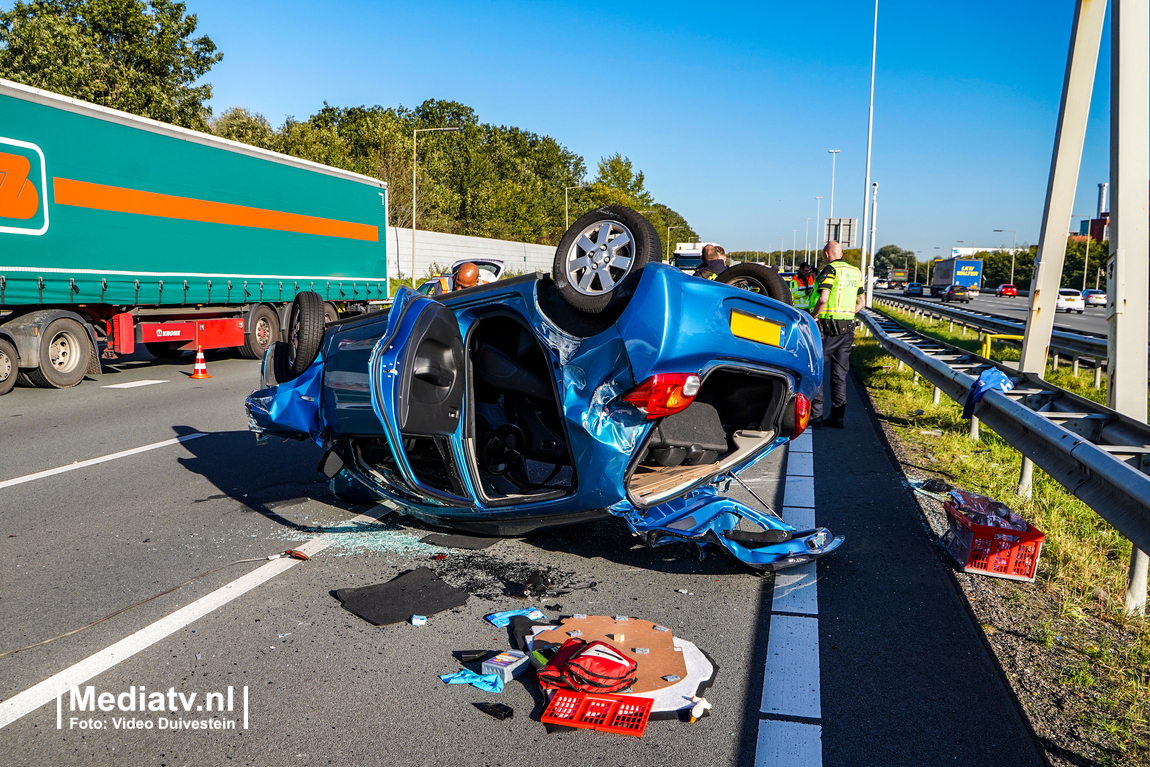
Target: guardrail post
{"points": [[974, 428], [899, 368], [1026, 478], [937, 394], [1075, 367], [1054, 364], [950, 327], [1097, 374]]}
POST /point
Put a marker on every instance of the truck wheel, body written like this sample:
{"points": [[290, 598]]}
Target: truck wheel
{"points": [[305, 334], [600, 258], [756, 278], [9, 367], [330, 313], [264, 331], [64, 355], [166, 350]]}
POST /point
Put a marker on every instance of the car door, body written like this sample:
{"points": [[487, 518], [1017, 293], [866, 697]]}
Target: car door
{"points": [[418, 376]]}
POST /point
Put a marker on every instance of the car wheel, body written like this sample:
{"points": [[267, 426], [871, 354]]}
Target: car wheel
{"points": [[264, 331], [757, 279], [1080, 311], [64, 355], [9, 367], [600, 258], [330, 313], [305, 334]]}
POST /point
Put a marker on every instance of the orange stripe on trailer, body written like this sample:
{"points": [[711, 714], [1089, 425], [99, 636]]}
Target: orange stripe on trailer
{"points": [[84, 194]]}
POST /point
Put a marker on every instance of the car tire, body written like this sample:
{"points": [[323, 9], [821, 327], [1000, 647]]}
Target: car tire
{"points": [[166, 350], [305, 334], [264, 331], [1080, 311], [330, 313], [65, 352], [9, 367], [757, 278], [591, 279]]}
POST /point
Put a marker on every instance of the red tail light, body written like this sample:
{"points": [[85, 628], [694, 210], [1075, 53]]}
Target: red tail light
{"points": [[664, 394], [802, 415]]}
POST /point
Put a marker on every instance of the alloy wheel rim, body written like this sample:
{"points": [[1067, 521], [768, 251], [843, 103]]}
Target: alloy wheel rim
{"points": [[600, 258]]}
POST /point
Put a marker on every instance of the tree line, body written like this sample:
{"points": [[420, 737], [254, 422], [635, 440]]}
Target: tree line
{"points": [[486, 180]]}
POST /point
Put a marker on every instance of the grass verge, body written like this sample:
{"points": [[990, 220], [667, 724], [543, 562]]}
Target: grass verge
{"points": [[1098, 658]]}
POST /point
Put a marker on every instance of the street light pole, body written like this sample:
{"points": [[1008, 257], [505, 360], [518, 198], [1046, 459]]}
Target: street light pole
{"points": [[794, 246], [869, 274], [806, 243], [1014, 248], [834, 156], [866, 263], [414, 181], [566, 215]]}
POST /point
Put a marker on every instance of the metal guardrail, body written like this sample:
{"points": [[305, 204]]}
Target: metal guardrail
{"points": [[1061, 341], [1099, 455]]}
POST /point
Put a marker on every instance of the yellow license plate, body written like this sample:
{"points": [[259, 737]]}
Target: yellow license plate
{"points": [[752, 328]]}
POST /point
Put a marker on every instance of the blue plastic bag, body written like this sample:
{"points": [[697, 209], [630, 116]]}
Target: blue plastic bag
{"points": [[990, 379]]}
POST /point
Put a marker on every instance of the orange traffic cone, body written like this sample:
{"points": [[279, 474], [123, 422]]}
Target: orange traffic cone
{"points": [[201, 366]]}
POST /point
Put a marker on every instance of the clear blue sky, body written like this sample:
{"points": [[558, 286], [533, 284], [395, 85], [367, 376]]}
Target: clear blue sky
{"points": [[729, 109]]}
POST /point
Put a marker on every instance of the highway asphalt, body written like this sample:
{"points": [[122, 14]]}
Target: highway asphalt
{"points": [[903, 675]]}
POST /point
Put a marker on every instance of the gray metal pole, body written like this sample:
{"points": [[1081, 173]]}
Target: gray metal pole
{"points": [[1127, 271], [864, 262], [868, 275], [819, 219], [1081, 62], [834, 156]]}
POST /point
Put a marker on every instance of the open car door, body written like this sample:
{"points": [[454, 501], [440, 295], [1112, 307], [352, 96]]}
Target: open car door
{"points": [[417, 390]]}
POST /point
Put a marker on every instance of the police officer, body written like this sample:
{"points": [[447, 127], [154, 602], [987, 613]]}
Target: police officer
{"points": [[803, 293], [841, 295], [714, 262]]}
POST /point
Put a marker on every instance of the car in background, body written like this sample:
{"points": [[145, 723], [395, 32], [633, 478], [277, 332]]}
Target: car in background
{"points": [[490, 270], [956, 293], [1070, 300], [616, 386], [1094, 297], [1006, 290], [882, 284], [912, 289]]}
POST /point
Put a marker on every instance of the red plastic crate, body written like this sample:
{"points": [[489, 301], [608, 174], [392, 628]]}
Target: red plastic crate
{"points": [[996, 551], [607, 713]]}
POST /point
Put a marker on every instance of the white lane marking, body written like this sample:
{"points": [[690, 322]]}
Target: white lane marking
{"points": [[799, 491], [134, 384], [789, 744], [800, 464], [791, 679], [799, 517], [804, 443], [102, 459], [36, 696], [796, 590]]}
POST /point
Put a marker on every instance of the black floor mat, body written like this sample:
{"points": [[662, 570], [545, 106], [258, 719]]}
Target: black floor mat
{"points": [[458, 541], [416, 592]]}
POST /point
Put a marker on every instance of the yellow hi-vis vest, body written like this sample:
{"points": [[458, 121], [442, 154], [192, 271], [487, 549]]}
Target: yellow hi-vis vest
{"points": [[803, 296], [843, 282]]}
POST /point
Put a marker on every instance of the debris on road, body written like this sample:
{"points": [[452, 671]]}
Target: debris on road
{"points": [[412, 593], [470, 542], [622, 714], [488, 682], [988, 538], [506, 665], [503, 619], [500, 711]]}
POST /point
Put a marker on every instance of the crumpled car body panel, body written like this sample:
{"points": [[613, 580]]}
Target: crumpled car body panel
{"points": [[358, 395]]}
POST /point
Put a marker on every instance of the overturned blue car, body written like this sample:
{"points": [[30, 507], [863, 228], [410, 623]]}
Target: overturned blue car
{"points": [[618, 385]]}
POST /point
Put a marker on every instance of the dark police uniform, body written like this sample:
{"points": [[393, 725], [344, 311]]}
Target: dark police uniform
{"points": [[710, 270], [836, 324]]}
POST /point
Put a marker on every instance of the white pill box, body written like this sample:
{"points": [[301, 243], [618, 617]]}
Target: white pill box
{"points": [[506, 665]]}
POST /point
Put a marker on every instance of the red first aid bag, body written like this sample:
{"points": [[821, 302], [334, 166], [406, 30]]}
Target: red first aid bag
{"points": [[594, 667]]}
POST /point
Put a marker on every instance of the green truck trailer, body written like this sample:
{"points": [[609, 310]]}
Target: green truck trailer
{"points": [[117, 231]]}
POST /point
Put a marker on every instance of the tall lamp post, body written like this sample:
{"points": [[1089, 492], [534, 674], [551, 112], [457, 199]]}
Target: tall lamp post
{"points": [[566, 207], [1014, 247], [866, 263], [794, 247], [414, 159], [834, 155], [806, 243]]}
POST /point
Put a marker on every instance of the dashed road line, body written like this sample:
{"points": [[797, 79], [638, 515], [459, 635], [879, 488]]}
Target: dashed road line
{"points": [[101, 459], [134, 384], [791, 681], [793, 744], [795, 590]]}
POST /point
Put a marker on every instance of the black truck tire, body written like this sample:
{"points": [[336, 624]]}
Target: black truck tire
{"points": [[264, 330], [9, 367], [592, 275], [757, 278], [65, 352], [305, 334]]}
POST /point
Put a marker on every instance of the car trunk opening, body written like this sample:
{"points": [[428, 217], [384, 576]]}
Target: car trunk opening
{"points": [[735, 414]]}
